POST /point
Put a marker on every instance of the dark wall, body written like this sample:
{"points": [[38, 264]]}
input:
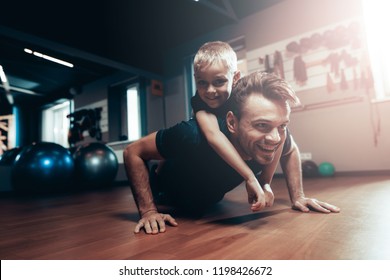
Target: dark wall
{"points": [[116, 95], [5, 106], [29, 125]]}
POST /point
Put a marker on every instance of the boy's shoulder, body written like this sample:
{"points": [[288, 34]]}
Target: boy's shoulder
{"points": [[198, 104]]}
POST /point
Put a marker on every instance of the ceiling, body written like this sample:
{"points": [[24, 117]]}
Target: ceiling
{"points": [[100, 38]]}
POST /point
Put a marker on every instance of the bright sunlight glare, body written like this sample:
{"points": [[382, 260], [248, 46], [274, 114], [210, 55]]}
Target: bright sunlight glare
{"points": [[377, 21]]}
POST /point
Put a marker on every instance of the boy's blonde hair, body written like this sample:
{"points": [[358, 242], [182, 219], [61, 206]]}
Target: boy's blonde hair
{"points": [[213, 52]]}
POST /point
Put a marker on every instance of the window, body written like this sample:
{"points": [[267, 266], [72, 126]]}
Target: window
{"points": [[377, 21], [127, 111], [55, 124], [133, 114], [190, 86]]}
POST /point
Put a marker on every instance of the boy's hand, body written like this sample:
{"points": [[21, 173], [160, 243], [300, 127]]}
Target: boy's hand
{"points": [[256, 195], [269, 195]]}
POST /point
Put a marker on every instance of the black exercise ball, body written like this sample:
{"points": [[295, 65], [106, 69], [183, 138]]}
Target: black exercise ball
{"points": [[309, 169], [96, 165], [8, 157], [42, 167]]}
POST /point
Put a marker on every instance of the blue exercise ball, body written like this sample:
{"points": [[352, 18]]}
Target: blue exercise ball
{"points": [[326, 169], [42, 167], [8, 157], [96, 165]]}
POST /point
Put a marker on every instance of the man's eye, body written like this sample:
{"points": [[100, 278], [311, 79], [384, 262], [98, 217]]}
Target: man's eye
{"points": [[262, 126], [283, 127]]}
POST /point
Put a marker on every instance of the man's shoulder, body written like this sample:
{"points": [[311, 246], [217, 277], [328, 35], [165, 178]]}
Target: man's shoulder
{"points": [[189, 127], [183, 133]]}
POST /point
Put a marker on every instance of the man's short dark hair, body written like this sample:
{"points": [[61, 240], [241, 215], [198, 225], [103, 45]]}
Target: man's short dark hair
{"points": [[269, 85]]}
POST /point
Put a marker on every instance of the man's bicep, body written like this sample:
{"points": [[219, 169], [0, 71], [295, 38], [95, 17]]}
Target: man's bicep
{"points": [[146, 147], [289, 145], [293, 148]]}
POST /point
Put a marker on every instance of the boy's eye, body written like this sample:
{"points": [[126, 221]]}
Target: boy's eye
{"points": [[201, 83], [219, 82]]}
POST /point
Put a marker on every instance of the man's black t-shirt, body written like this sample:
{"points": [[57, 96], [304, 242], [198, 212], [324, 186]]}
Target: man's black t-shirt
{"points": [[193, 174]]}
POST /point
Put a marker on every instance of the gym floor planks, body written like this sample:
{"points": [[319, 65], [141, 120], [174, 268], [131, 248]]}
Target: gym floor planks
{"points": [[99, 225]]}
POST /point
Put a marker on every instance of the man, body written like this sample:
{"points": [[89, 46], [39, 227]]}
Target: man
{"points": [[194, 177]]}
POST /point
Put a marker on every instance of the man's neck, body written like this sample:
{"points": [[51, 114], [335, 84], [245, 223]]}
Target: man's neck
{"points": [[237, 146]]}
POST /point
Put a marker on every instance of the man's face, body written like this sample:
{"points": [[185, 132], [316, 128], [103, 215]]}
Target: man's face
{"points": [[262, 128], [214, 84]]}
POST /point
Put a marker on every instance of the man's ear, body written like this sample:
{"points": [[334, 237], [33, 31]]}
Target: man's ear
{"points": [[232, 122], [236, 77]]}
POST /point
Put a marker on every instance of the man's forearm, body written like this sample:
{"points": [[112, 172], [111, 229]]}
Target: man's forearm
{"points": [[139, 183], [291, 165], [134, 157]]}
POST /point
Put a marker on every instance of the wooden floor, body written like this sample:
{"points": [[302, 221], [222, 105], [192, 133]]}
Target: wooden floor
{"points": [[99, 225]]}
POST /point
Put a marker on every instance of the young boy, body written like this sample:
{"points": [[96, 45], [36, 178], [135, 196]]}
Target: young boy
{"points": [[215, 71]]}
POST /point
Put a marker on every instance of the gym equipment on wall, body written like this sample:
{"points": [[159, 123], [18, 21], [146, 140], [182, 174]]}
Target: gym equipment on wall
{"points": [[84, 120]]}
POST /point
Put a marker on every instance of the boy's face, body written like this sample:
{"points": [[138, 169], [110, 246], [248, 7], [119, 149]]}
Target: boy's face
{"points": [[214, 83]]}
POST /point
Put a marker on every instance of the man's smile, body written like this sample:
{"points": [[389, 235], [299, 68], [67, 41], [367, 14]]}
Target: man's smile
{"points": [[269, 149]]}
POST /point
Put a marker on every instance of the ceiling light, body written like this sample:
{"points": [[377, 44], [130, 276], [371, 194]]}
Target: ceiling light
{"points": [[50, 58], [3, 77], [5, 85], [28, 51]]}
